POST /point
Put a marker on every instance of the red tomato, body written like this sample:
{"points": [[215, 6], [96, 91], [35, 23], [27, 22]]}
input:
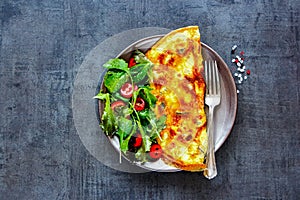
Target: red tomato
{"points": [[131, 62], [155, 151], [126, 90], [138, 141], [139, 104], [117, 104]]}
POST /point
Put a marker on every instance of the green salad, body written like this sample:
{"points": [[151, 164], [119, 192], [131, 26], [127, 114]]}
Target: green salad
{"points": [[129, 107]]}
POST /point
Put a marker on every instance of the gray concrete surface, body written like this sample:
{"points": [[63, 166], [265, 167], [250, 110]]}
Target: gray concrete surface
{"points": [[42, 45]]}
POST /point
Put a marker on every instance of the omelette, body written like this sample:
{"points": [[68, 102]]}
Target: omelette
{"points": [[179, 86]]}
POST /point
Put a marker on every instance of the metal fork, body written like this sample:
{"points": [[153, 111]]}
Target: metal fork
{"points": [[212, 99]]}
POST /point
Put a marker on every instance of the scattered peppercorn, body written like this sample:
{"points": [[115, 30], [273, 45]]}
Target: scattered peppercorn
{"points": [[248, 72], [233, 49], [240, 72]]}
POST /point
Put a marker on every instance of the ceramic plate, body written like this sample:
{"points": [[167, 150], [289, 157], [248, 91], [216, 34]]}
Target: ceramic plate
{"points": [[225, 113]]}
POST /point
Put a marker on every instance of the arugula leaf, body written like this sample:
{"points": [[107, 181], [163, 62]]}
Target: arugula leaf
{"points": [[108, 121], [117, 95], [144, 113], [114, 80], [139, 124], [145, 93], [141, 154], [116, 63], [157, 125], [140, 57], [148, 143]]}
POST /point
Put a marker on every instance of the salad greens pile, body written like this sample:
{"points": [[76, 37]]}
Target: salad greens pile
{"points": [[129, 105]]}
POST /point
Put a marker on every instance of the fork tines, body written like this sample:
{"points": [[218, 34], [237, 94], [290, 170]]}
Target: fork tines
{"points": [[211, 76]]}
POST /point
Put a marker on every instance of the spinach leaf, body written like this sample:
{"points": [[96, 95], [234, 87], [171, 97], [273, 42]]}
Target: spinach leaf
{"points": [[124, 142], [117, 74], [108, 121], [114, 80], [116, 63], [148, 96], [125, 125], [125, 130], [139, 71]]}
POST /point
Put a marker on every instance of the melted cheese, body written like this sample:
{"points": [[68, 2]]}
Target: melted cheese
{"points": [[179, 87]]}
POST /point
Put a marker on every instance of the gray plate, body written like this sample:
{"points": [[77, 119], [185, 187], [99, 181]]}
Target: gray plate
{"points": [[225, 113]]}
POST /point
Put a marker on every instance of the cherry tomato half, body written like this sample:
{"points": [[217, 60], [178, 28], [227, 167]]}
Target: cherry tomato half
{"points": [[117, 104], [131, 62], [139, 104], [155, 151], [126, 90], [138, 140]]}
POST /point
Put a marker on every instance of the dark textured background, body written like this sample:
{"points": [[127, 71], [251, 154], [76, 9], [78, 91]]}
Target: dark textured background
{"points": [[42, 45]]}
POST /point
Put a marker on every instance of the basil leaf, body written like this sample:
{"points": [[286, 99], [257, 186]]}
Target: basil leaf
{"points": [[114, 80], [108, 121]]}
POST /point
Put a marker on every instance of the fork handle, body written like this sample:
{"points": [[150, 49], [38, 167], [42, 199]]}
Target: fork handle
{"points": [[211, 170]]}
